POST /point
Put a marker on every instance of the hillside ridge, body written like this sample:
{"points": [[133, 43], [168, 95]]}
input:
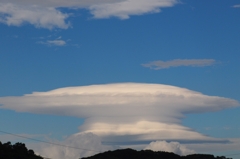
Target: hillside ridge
{"points": [[148, 154]]}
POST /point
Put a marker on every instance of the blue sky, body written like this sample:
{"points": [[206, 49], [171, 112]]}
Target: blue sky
{"points": [[191, 44]]}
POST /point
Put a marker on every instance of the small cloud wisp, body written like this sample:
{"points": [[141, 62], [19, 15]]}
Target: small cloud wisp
{"points": [[236, 6], [56, 42], [157, 65]]}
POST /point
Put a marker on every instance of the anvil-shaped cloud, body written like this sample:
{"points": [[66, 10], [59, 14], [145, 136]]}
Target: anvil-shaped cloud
{"points": [[126, 112]]}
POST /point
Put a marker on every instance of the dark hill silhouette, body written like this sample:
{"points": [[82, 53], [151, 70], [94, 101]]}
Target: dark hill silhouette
{"points": [[19, 151], [148, 154], [16, 151]]}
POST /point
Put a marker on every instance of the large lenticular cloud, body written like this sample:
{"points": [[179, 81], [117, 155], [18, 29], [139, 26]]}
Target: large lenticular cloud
{"points": [[125, 112]]}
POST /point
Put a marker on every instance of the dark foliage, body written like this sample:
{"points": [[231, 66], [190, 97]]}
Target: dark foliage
{"points": [[147, 154], [16, 151]]}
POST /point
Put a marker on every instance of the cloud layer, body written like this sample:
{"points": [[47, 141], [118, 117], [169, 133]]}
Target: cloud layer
{"points": [[125, 113], [157, 65], [45, 14]]}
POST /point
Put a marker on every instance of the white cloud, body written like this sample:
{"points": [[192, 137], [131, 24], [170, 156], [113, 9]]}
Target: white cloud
{"points": [[40, 17], [174, 147], [45, 13], [56, 42], [236, 6], [126, 112], [126, 8], [75, 146], [51, 41], [157, 65]]}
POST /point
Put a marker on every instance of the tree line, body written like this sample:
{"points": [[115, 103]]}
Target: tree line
{"points": [[149, 154], [16, 151]]}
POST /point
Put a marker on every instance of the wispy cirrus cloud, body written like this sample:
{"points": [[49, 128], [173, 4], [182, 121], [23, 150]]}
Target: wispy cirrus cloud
{"points": [[56, 42], [45, 14], [236, 6], [157, 65]]}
